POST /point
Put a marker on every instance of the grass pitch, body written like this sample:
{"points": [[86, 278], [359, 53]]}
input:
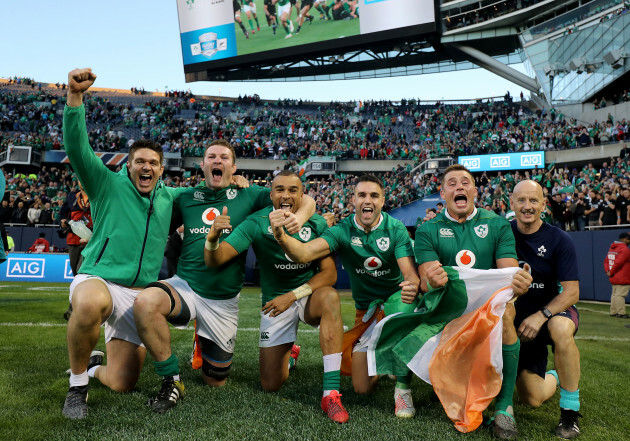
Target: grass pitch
{"points": [[33, 385]]}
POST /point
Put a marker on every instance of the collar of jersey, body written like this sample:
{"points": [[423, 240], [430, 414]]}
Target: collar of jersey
{"points": [[449, 217], [356, 224]]}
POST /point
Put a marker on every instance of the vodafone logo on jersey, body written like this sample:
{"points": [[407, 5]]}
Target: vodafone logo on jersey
{"points": [[372, 263], [465, 259], [209, 215]]}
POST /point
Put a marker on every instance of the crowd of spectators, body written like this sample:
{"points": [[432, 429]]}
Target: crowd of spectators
{"points": [[474, 13]]}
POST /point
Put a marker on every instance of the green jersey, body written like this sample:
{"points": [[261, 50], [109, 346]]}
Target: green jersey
{"points": [[278, 274], [476, 243], [370, 258], [199, 206]]}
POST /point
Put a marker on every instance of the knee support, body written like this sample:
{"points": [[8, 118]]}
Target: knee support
{"points": [[211, 352]]}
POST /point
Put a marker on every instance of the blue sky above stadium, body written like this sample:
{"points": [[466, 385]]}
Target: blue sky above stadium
{"points": [[136, 44]]}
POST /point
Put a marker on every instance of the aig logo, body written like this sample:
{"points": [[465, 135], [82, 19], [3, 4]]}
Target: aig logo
{"points": [[531, 160], [471, 163], [26, 267], [500, 161]]}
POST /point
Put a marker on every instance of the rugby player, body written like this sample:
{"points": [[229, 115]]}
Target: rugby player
{"points": [[209, 295], [131, 211], [305, 6], [270, 14], [284, 12], [376, 250], [291, 292], [236, 4], [546, 314], [250, 9], [467, 237]]}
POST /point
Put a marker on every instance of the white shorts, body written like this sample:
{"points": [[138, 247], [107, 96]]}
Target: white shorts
{"points": [[217, 320], [120, 324], [281, 329], [248, 8], [362, 344], [284, 9]]}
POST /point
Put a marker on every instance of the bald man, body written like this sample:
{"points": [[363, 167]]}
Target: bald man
{"points": [[546, 314]]}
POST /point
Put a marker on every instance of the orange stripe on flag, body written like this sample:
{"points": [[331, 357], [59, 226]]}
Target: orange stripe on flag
{"points": [[461, 370]]}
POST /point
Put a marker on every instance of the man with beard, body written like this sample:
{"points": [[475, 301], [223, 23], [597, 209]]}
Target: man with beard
{"points": [[291, 292], [209, 295]]}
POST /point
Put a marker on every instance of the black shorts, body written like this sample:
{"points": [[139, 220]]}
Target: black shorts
{"points": [[533, 354], [305, 3], [236, 5]]}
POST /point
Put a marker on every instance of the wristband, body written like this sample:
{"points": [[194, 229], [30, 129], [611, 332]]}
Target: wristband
{"points": [[211, 246], [302, 291]]}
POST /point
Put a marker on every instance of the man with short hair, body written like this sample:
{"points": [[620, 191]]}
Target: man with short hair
{"points": [[291, 292], [131, 214], [546, 314], [376, 250], [209, 295], [476, 239]]}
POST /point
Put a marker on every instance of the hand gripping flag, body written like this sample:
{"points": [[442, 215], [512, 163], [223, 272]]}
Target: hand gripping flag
{"points": [[452, 341]]}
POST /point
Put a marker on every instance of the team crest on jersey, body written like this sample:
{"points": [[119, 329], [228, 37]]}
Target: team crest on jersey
{"points": [[269, 230], [305, 233], [541, 251], [465, 259], [231, 193], [446, 232], [199, 196], [356, 241], [481, 230], [372, 263], [383, 243], [209, 215]]}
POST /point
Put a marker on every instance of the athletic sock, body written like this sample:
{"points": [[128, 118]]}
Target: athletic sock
{"points": [[168, 367], [286, 29], [79, 379], [555, 374], [298, 29], [257, 24], [92, 370], [251, 25], [332, 373], [570, 400], [242, 27], [404, 382], [510, 369]]}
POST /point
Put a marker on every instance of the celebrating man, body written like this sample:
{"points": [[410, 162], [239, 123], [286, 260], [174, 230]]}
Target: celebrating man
{"points": [[376, 250], [463, 236], [131, 211], [291, 292]]}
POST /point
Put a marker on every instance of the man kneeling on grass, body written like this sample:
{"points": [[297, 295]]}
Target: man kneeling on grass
{"points": [[291, 292]]}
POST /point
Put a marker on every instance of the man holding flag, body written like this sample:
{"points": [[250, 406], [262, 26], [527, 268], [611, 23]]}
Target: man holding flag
{"points": [[453, 339]]}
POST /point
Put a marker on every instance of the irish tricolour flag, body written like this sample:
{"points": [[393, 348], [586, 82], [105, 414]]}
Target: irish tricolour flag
{"points": [[452, 341]]}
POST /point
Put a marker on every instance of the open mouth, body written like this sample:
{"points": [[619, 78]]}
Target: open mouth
{"points": [[217, 173], [286, 206], [367, 211], [145, 179], [460, 200]]}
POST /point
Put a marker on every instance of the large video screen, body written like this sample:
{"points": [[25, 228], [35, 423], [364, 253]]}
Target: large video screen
{"points": [[225, 33]]}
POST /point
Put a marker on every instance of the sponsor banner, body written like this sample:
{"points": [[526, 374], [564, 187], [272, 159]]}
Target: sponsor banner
{"points": [[23, 267], [60, 157], [505, 161]]}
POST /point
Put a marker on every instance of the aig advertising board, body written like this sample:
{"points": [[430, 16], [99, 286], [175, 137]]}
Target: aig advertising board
{"points": [[21, 267], [505, 161]]}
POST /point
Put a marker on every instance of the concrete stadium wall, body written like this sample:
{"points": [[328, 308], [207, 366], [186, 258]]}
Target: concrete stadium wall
{"points": [[584, 112]]}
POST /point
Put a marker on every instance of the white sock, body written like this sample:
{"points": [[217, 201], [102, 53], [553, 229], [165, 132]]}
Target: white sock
{"points": [[332, 362], [79, 380], [92, 370]]}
